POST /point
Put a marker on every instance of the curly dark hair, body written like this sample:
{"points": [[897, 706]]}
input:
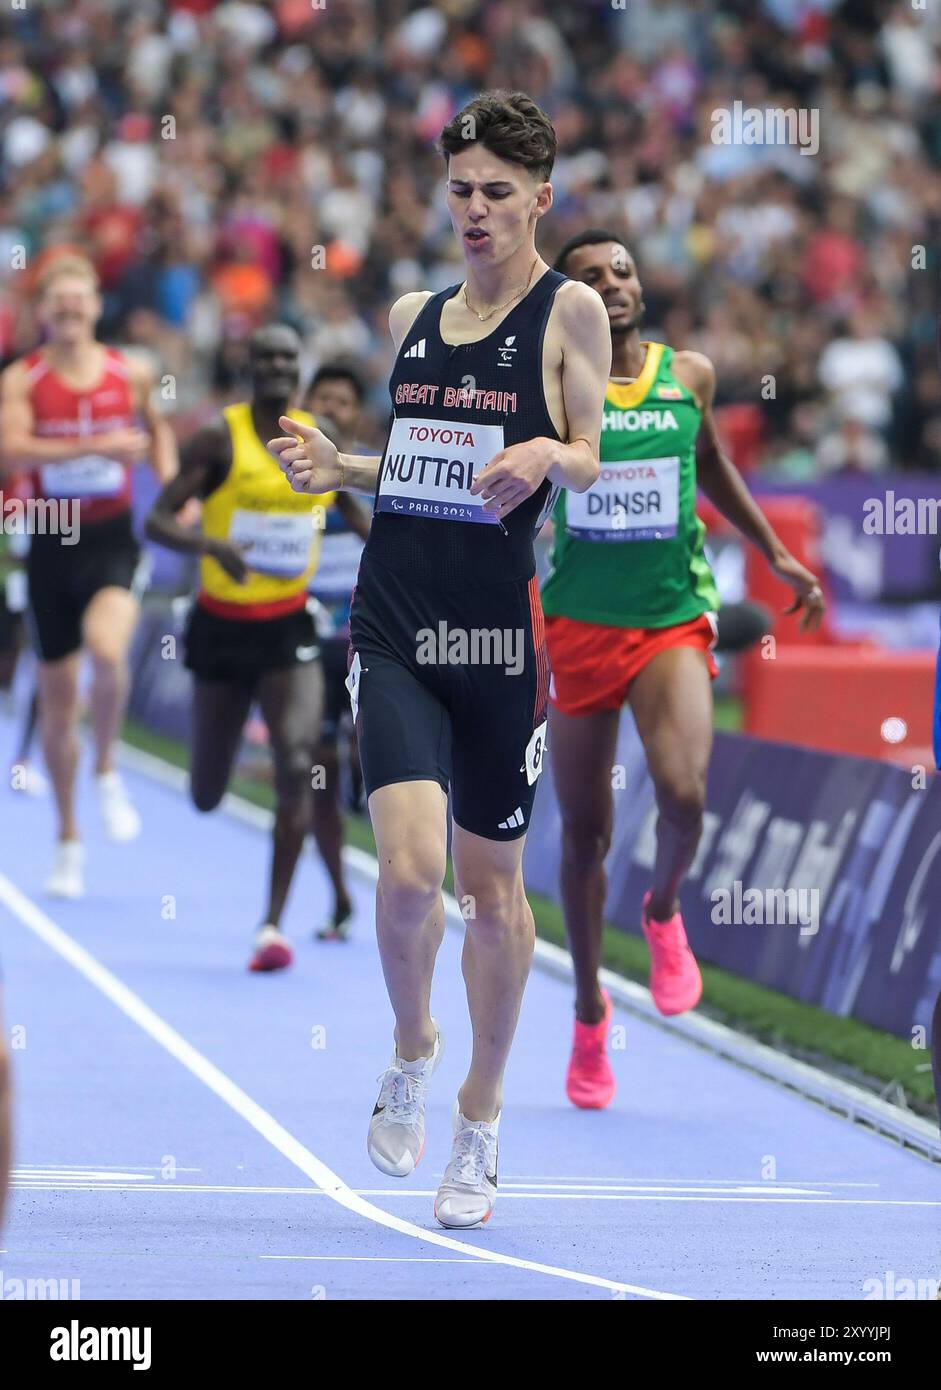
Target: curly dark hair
{"points": [[508, 124]]}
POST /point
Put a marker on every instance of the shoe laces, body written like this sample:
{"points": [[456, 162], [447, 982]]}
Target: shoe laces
{"points": [[402, 1092], [471, 1157]]}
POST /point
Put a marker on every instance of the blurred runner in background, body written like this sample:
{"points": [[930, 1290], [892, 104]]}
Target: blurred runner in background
{"points": [[80, 415], [336, 395]]}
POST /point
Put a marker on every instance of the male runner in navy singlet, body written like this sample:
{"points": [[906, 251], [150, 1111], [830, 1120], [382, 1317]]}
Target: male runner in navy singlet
{"points": [[497, 395]]}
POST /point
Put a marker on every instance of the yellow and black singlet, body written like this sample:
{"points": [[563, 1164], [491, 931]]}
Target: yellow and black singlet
{"points": [[277, 530]]}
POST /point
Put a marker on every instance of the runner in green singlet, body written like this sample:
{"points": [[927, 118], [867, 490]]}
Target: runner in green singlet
{"points": [[630, 608]]}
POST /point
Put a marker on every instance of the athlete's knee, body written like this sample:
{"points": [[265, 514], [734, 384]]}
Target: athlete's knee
{"points": [[585, 841], [109, 666], [494, 908], [682, 798], [293, 777], [409, 883]]}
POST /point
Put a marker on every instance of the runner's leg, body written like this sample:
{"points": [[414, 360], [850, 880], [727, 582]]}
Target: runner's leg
{"points": [[58, 723], [328, 825], [29, 727], [291, 701], [498, 949], [107, 628], [582, 751], [220, 709], [671, 699], [409, 820]]}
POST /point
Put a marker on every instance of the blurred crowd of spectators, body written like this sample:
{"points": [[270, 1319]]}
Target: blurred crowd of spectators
{"points": [[224, 163]]}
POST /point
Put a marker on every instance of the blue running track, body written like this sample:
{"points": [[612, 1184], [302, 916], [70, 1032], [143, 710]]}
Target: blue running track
{"points": [[187, 1130]]}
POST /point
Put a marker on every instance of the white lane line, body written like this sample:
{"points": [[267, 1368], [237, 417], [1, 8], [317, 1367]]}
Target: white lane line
{"points": [[913, 1133], [91, 1169], [586, 1195], [68, 1176], [266, 1125]]}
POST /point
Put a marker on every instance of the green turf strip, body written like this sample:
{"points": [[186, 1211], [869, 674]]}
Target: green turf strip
{"points": [[841, 1045]]}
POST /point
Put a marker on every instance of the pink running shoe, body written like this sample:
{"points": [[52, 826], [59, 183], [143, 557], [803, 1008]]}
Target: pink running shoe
{"points": [[589, 1081], [675, 981], [272, 950]]}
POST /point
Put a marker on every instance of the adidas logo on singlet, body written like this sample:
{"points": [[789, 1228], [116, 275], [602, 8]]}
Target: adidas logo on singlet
{"points": [[417, 349], [512, 822]]}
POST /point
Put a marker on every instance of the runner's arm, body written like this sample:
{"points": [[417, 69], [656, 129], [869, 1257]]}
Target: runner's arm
{"points": [[356, 512], [22, 448], [726, 489], [205, 460], [517, 471], [164, 458], [586, 366], [716, 474]]}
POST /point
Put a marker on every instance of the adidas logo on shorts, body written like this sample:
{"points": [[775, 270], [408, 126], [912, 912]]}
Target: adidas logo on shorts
{"points": [[512, 822]]}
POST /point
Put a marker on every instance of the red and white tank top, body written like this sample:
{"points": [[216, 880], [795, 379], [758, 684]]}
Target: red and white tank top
{"points": [[102, 485]]}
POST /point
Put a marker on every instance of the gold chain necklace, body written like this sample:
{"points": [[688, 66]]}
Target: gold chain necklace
{"points": [[484, 317]]}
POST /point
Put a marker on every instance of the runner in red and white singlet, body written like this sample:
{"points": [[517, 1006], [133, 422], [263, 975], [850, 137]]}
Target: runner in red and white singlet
{"points": [[78, 415]]}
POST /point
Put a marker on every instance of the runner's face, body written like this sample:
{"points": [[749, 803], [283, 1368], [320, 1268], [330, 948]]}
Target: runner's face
{"points": [[69, 310], [336, 399], [609, 268], [275, 367], [494, 205]]}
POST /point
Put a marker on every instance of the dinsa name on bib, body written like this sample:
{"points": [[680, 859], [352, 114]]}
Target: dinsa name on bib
{"points": [[428, 468], [635, 500], [278, 544]]}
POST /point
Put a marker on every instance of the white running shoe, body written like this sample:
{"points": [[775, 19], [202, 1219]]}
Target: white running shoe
{"points": [[469, 1187], [66, 879], [121, 820], [396, 1139]]}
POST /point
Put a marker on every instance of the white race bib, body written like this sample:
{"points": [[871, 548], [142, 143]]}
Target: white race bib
{"points": [[637, 500], [90, 475], [352, 684], [428, 468], [536, 753], [338, 565], [278, 544]]}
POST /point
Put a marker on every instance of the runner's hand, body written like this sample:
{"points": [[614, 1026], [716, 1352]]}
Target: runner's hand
{"points": [[512, 475], [127, 446], [807, 590], [311, 465], [230, 557]]}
